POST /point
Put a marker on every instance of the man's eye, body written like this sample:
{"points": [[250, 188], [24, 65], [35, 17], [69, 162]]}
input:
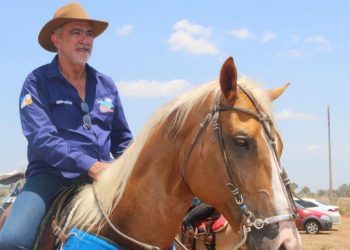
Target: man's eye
{"points": [[89, 33], [76, 32]]}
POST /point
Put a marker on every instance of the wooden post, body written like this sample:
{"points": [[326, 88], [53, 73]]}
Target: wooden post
{"points": [[330, 159]]}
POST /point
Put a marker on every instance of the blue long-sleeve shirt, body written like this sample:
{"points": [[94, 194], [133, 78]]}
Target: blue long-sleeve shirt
{"points": [[52, 122]]}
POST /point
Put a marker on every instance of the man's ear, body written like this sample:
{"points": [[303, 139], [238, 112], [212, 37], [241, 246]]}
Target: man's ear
{"points": [[55, 40]]}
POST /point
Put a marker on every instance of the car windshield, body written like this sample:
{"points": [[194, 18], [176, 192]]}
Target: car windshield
{"points": [[322, 203], [305, 203]]}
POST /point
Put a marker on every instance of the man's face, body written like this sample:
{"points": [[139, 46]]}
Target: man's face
{"points": [[74, 41]]}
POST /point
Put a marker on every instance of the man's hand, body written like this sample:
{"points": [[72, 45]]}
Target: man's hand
{"points": [[97, 168]]}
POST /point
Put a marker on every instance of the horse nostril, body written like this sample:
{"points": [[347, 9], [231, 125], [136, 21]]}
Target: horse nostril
{"points": [[268, 231], [265, 238], [282, 247]]}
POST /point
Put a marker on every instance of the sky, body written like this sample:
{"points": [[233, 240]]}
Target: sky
{"points": [[156, 50]]}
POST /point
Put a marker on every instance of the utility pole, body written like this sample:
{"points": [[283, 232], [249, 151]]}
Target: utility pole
{"points": [[330, 194]]}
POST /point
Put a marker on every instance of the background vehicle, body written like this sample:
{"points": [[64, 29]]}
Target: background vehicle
{"points": [[14, 181], [312, 204], [313, 221]]}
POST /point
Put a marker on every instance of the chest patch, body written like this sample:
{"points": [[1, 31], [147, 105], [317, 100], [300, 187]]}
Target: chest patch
{"points": [[105, 105]]}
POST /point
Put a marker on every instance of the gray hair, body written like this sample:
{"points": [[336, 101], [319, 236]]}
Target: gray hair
{"points": [[58, 30]]}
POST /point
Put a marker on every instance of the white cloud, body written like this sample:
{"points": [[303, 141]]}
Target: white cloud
{"points": [[125, 30], [291, 115], [181, 40], [321, 43], [192, 28], [294, 53], [153, 88], [312, 148], [267, 36], [242, 33], [192, 38]]}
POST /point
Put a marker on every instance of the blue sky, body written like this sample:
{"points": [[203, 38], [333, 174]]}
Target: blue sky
{"points": [[155, 50]]}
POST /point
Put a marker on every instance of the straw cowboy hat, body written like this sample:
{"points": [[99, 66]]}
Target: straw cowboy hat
{"points": [[65, 14]]}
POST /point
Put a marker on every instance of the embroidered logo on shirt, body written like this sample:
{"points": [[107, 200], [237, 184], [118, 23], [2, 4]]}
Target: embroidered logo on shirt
{"points": [[64, 102], [26, 100], [105, 105]]}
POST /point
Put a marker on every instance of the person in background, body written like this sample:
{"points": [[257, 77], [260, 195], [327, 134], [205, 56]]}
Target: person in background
{"points": [[198, 212], [72, 118]]}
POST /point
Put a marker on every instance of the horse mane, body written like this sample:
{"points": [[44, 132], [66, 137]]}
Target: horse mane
{"points": [[83, 210]]}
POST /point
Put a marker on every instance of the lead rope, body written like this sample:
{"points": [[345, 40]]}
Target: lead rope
{"points": [[116, 230]]}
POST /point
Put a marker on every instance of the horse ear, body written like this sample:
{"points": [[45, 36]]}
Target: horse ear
{"points": [[228, 79], [275, 93]]}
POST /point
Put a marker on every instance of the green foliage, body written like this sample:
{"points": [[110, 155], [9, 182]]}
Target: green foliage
{"points": [[322, 192], [343, 190], [305, 191], [294, 186]]}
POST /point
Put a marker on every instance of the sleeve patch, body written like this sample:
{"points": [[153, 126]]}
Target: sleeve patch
{"points": [[26, 100]]}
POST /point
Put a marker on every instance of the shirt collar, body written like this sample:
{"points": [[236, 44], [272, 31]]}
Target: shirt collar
{"points": [[54, 71]]}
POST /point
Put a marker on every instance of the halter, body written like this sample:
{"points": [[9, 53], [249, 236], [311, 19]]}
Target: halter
{"points": [[249, 220]]}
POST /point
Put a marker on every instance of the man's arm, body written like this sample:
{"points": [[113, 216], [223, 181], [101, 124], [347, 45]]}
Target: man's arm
{"points": [[121, 136], [42, 135]]}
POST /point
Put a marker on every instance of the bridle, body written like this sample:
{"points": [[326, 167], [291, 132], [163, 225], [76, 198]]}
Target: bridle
{"points": [[249, 220]]}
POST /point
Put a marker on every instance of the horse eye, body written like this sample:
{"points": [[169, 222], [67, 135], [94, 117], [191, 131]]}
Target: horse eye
{"points": [[240, 141]]}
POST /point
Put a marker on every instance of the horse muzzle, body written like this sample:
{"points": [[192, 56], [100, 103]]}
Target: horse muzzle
{"points": [[282, 235]]}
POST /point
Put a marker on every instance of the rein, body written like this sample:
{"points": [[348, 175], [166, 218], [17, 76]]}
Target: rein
{"points": [[131, 241], [249, 221]]}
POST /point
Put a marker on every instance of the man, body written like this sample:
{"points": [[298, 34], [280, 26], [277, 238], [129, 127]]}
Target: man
{"points": [[73, 120]]}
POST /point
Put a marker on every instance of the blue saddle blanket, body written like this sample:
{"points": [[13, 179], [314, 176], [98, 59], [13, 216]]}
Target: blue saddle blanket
{"points": [[79, 240]]}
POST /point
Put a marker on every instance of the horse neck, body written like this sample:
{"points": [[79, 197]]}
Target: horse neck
{"points": [[156, 199]]}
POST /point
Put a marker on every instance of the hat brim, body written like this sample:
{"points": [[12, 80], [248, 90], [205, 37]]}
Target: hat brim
{"points": [[44, 37]]}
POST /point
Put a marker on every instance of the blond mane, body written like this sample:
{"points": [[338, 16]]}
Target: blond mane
{"points": [[83, 211]]}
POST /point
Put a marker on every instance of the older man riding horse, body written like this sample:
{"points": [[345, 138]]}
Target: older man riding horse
{"points": [[218, 143]]}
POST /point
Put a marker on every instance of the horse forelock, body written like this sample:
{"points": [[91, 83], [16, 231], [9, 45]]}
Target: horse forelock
{"points": [[83, 211]]}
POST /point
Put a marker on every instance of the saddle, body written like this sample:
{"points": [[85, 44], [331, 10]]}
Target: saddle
{"points": [[54, 217], [216, 224], [207, 228]]}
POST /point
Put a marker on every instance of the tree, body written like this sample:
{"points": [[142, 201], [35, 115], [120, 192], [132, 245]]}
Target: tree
{"points": [[305, 191], [322, 192], [294, 187], [343, 190]]}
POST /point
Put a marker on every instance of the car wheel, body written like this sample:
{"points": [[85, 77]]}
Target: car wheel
{"points": [[312, 227]]}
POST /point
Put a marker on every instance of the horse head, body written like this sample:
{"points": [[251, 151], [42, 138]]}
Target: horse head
{"points": [[234, 164]]}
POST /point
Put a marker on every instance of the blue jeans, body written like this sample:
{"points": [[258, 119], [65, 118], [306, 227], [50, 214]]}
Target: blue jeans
{"points": [[23, 223]]}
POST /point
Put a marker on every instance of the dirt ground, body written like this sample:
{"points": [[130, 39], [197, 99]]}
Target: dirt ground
{"points": [[337, 239]]}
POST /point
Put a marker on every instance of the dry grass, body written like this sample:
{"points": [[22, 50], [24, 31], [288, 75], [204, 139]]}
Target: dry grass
{"points": [[337, 239]]}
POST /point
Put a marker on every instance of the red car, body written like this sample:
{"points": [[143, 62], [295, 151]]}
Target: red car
{"points": [[313, 221]]}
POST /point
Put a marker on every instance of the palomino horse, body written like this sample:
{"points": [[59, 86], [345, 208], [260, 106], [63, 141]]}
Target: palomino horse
{"points": [[212, 143]]}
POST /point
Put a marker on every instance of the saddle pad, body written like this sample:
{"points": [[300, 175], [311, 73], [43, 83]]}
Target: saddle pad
{"points": [[79, 240], [219, 224]]}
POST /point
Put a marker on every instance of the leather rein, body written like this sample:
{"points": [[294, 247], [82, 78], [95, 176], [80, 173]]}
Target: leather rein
{"points": [[249, 220]]}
